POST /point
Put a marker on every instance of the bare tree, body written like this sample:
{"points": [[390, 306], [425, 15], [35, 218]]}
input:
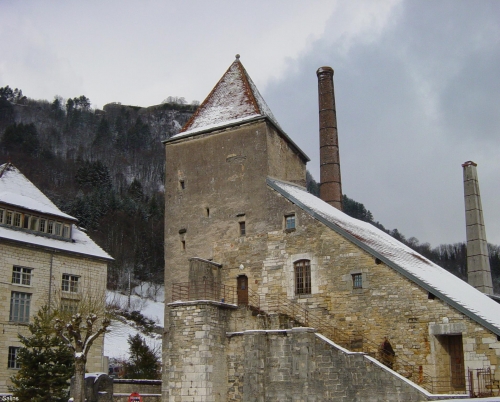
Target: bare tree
{"points": [[79, 324]]}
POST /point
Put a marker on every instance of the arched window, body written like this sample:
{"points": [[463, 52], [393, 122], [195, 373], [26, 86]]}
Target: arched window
{"points": [[302, 277]]}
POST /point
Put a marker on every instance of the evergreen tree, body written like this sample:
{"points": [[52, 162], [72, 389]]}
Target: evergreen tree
{"points": [[46, 363], [144, 362]]}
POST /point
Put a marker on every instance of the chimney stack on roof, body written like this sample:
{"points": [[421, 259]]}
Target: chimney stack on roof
{"points": [[478, 262], [330, 181]]}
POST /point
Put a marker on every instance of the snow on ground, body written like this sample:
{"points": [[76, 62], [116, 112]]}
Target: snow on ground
{"points": [[115, 341]]}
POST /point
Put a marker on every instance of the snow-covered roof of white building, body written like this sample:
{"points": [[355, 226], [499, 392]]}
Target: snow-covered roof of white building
{"points": [[409, 263], [80, 243], [234, 100], [17, 190]]}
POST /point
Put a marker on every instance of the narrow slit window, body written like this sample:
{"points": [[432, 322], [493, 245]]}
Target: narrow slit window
{"points": [[207, 210], [242, 229], [182, 185], [183, 244]]}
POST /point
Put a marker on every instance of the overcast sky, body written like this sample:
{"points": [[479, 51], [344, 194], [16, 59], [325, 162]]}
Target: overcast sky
{"points": [[417, 83]]}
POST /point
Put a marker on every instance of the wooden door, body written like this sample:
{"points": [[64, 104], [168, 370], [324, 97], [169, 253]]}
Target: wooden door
{"points": [[457, 369], [242, 282]]}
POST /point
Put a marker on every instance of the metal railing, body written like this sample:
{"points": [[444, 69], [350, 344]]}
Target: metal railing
{"points": [[482, 383], [281, 305], [214, 291], [357, 343], [204, 290]]}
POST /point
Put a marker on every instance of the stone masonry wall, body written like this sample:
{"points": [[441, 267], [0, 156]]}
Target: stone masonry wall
{"points": [[388, 304], [196, 367], [92, 275], [297, 365]]}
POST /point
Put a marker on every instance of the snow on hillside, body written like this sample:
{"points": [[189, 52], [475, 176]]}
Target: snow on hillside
{"points": [[115, 341]]}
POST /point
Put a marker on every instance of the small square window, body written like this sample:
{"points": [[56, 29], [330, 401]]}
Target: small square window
{"points": [[290, 222], [70, 283], [242, 229], [357, 281], [12, 358], [21, 275]]}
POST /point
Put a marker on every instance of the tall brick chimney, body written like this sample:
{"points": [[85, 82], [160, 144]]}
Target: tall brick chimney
{"points": [[330, 189], [478, 263]]}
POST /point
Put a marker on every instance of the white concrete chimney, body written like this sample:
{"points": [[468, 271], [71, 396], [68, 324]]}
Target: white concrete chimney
{"points": [[478, 262]]}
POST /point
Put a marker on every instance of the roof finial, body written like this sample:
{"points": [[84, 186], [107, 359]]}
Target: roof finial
{"points": [[237, 57]]}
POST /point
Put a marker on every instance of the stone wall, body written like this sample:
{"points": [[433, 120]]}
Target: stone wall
{"points": [[387, 306], [47, 269], [298, 365], [195, 369]]}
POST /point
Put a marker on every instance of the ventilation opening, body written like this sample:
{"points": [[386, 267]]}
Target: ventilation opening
{"points": [[431, 296], [377, 261]]}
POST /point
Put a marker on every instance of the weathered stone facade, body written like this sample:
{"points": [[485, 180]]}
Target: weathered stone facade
{"points": [[221, 206]]}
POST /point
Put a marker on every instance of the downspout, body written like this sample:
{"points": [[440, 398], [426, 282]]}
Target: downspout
{"points": [[50, 280]]}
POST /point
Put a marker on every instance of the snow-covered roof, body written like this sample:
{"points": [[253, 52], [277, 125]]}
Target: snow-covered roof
{"points": [[235, 97], [234, 100], [409, 263], [80, 243], [17, 190]]}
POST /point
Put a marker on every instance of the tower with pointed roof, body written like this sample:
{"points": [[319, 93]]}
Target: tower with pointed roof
{"points": [[248, 248], [216, 170]]}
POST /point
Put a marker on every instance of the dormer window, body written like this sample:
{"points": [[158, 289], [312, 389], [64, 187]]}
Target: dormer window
{"points": [[17, 219], [8, 219], [34, 223]]}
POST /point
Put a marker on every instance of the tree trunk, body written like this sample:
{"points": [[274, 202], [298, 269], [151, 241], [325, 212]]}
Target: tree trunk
{"points": [[79, 381]]}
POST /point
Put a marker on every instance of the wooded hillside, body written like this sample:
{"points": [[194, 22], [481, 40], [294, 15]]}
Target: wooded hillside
{"points": [[106, 168]]}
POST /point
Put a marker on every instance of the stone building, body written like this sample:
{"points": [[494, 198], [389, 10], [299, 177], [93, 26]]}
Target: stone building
{"points": [[251, 257], [45, 259]]}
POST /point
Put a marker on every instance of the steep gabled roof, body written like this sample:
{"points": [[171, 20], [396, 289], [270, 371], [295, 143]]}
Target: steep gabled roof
{"points": [[17, 190], [409, 263], [235, 98]]}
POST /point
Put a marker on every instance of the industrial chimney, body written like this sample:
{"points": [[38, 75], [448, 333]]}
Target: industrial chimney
{"points": [[330, 181], [478, 263]]}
